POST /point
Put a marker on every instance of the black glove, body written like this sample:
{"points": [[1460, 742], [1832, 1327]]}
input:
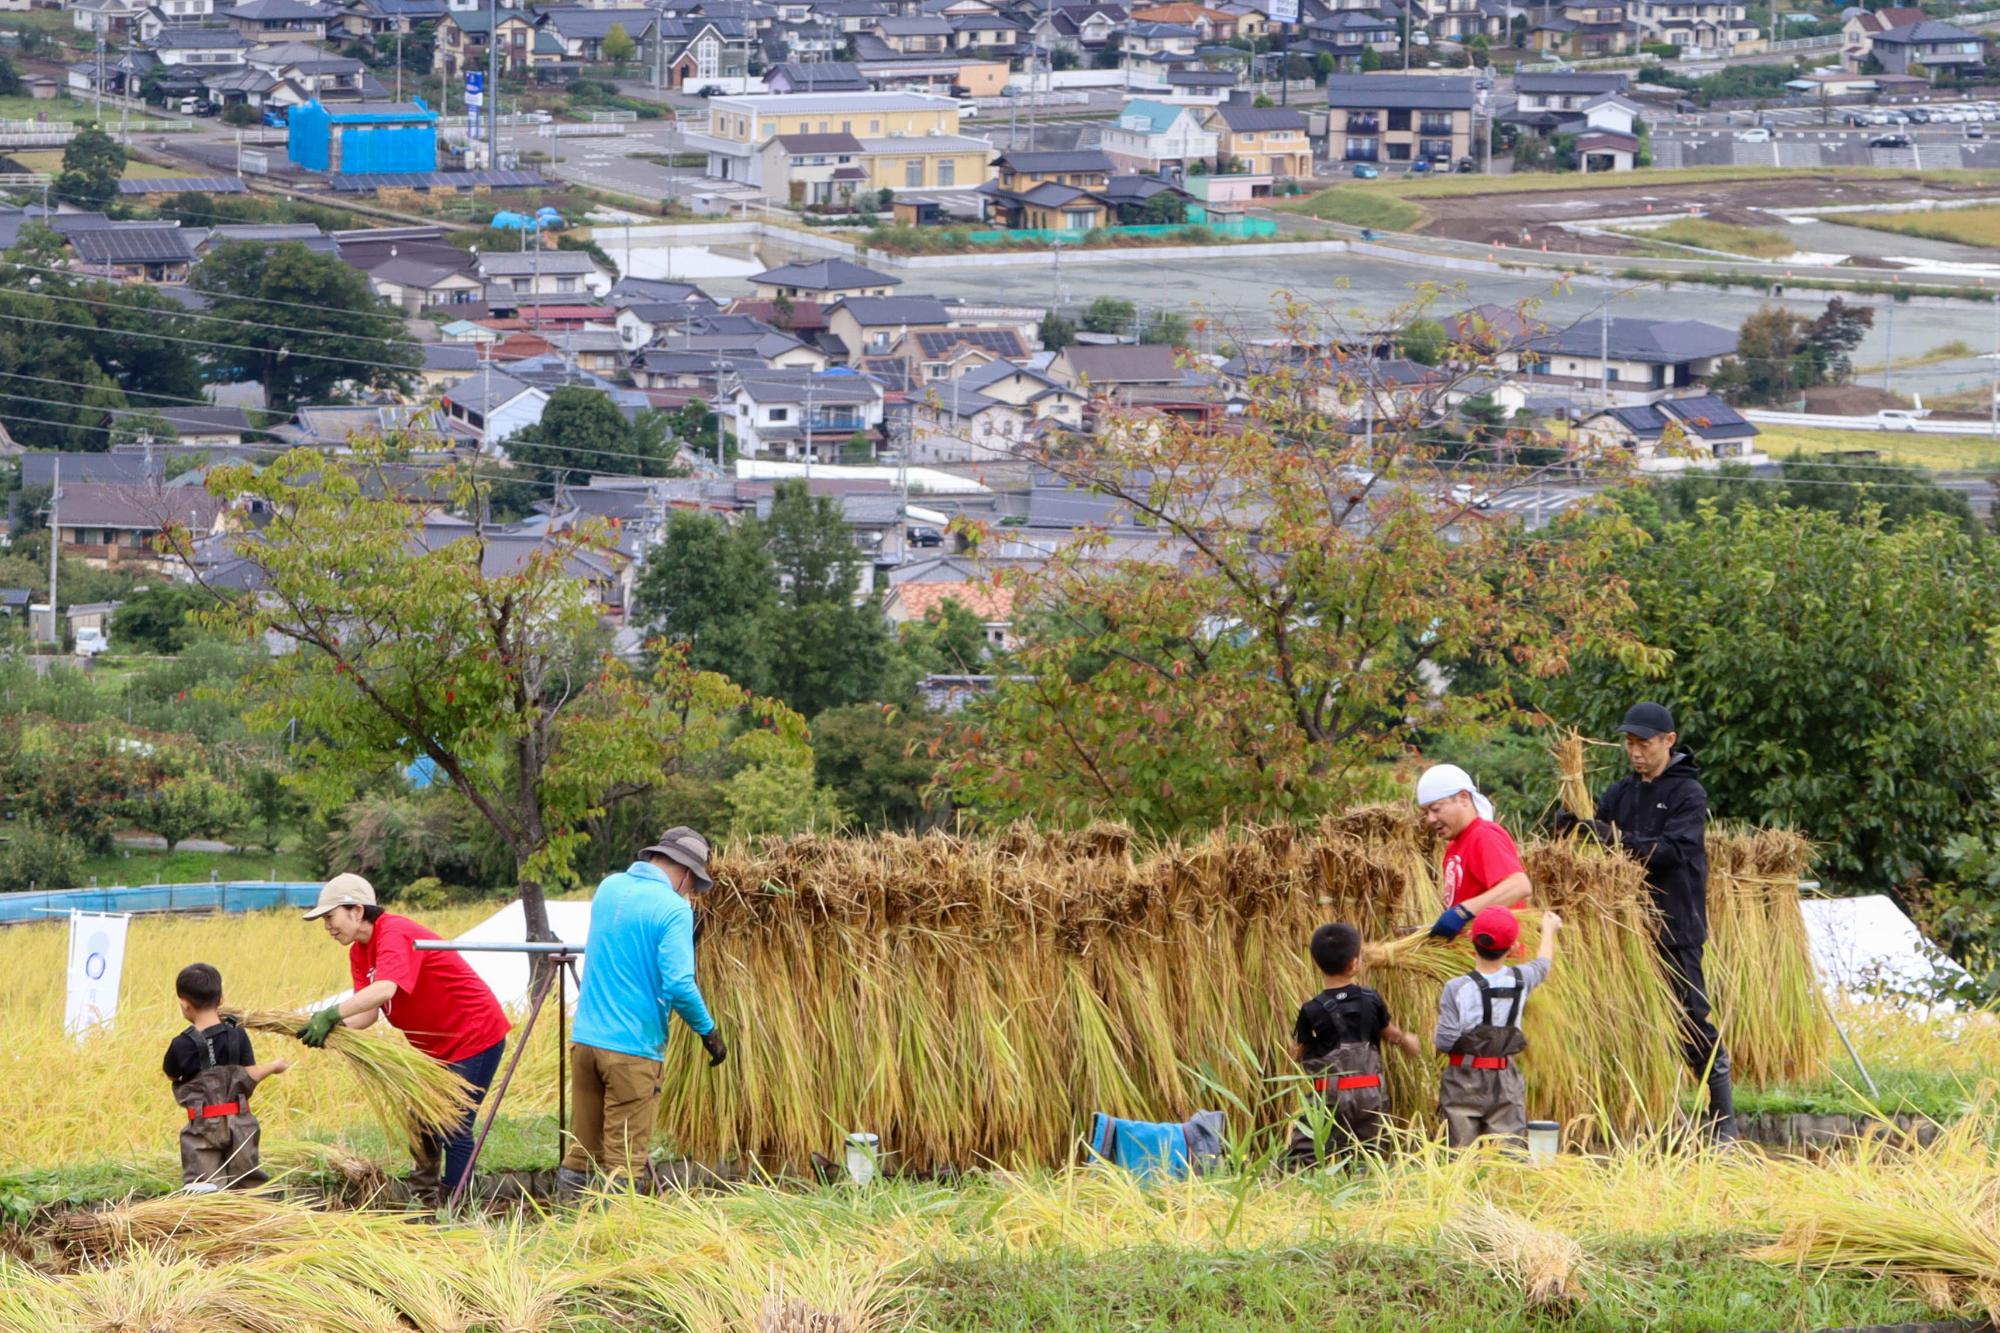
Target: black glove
{"points": [[717, 1052], [1600, 830], [1563, 822], [1454, 919]]}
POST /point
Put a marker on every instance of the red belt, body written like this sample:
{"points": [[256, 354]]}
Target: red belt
{"points": [[1349, 1082], [1480, 1061], [210, 1112]]}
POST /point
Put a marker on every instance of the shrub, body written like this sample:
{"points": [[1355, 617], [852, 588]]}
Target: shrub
{"points": [[38, 857], [398, 838], [196, 805]]}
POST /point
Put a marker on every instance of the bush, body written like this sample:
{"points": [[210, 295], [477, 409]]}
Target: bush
{"points": [[37, 857], [241, 113], [396, 838], [196, 805]]}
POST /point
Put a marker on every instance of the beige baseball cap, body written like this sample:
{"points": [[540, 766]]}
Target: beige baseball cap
{"points": [[342, 891]]}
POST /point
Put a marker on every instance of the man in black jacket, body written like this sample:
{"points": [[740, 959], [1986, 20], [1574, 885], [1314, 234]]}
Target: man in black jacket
{"points": [[1658, 816]]}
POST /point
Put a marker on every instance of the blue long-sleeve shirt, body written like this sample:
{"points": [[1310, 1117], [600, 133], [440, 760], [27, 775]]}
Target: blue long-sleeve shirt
{"points": [[638, 965]]}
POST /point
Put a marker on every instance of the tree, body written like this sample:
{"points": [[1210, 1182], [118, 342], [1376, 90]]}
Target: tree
{"points": [[1371, 60], [881, 762], [1263, 101], [155, 619], [1166, 326], [858, 449], [774, 792], [241, 114], [1770, 364], [949, 640], [497, 673], [1532, 153], [618, 45], [825, 649], [1322, 66], [1279, 648], [332, 333], [1834, 334], [1168, 208], [1056, 332], [1426, 342], [92, 163], [1062, 58], [10, 79], [1832, 673], [1109, 314], [193, 805], [583, 432], [708, 587]]}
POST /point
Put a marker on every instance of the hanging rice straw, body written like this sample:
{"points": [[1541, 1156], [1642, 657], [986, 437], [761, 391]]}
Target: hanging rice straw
{"points": [[411, 1093], [1573, 787]]}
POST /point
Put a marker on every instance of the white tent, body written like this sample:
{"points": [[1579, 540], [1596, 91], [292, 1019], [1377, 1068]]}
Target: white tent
{"points": [[1866, 946], [507, 973]]}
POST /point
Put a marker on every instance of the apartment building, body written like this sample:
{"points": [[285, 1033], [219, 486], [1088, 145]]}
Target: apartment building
{"points": [[1399, 118], [896, 140]]}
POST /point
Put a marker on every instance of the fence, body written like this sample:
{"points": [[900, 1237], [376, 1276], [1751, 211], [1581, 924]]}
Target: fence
{"points": [[1242, 229], [234, 896], [1899, 425]]}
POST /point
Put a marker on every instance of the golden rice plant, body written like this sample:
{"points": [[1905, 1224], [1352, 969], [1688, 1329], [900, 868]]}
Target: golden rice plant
{"points": [[1769, 1004], [1542, 1264], [410, 1092]]}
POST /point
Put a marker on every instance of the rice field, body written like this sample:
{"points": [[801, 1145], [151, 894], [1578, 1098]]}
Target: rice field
{"points": [[1966, 226]]}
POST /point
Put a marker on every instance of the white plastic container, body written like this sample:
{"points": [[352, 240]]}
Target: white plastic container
{"points": [[863, 1152], [1544, 1141]]}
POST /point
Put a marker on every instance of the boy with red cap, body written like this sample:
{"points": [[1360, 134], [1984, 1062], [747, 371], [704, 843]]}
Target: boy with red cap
{"points": [[1482, 867], [1479, 1029]]}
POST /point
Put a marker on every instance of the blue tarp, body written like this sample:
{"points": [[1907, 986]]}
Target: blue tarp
{"points": [[233, 896], [1149, 1148]]}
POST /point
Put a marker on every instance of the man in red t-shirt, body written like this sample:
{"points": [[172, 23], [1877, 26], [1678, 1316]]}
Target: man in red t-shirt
{"points": [[1482, 867], [446, 1010]]}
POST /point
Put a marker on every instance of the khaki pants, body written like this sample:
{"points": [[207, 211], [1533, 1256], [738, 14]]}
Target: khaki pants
{"points": [[613, 1102]]}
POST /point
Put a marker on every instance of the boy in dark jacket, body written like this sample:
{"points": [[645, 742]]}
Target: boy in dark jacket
{"points": [[1338, 1039], [214, 1070], [1658, 815]]}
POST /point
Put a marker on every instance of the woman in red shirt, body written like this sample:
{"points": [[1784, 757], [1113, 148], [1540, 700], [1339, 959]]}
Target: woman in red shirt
{"points": [[1482, 867], [446, 1010]]}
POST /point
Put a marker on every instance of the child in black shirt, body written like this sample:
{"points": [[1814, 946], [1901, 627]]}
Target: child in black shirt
{"points": [[213, 1070], [1338, 1039]]}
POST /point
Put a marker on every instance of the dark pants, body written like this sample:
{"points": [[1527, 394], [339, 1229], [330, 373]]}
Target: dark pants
{"points": [[456, 1147], [1700, 1042]]}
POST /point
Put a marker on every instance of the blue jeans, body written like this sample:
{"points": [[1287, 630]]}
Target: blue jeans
{"points": [[478, 1070]]}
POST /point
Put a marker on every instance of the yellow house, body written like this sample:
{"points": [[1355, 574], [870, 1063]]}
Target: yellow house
{"points": [[1266, 141], [889, 140], [1052, 190]]}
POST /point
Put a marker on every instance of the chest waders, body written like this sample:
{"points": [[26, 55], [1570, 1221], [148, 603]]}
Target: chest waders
{"points": [[1347, 1083], [220, 1141], [1481, 1091]]}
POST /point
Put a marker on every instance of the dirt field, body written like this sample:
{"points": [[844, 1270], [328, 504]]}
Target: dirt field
{"points": [[1530, 218]]}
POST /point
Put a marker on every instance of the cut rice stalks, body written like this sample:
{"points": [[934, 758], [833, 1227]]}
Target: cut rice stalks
{"points": [[1543, 1264], [409, 1092]]}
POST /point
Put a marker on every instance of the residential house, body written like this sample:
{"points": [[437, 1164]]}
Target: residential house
{"points": [[908, 140], [939, 355], [821, 280], [850, 16], [250, 86], [1199, 85], [992, 603], [827, 76], [1585, 30], [1857, 34], [114, 526], [111, 18], [1213, 25], [1606, 150], [1462, 20], [1262, 141], [134, 251], [1931, 47], [1632, 355], [699, 48], [386, 18], [988, 33], [949, 423], [272, 233], [802, 414], [1111, 368], [463, 34], [915, 35], [1672, 434], [416, 284], [203, 50], [1149, 135], [1052, 190], [819, 169], [581, 30], [510, 274], [492, 405], [280, 20], [873, 325], [1399, 118], [445, 364], [123, 74], [1045, 398], [323, 77], [209, 426], [116, 468], [1548, 104], [1085, 29], [1703, 28], [422, 425], [1151, 48], [1347, 35]]}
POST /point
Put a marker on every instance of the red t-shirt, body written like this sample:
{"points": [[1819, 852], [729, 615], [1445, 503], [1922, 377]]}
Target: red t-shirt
{"points": [[1481, 856], [441, 1004]]}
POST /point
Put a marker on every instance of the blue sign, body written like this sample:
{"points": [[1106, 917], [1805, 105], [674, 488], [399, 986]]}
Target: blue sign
{"points": [[475, 81]]}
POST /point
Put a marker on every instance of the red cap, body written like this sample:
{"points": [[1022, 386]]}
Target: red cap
{"points": [[1495, 930]]}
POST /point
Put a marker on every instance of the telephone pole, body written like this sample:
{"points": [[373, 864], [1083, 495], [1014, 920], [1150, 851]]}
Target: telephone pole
{"points": [[55, 547]]}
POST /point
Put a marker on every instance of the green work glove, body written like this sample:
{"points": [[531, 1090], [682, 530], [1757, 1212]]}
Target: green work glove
{"points": [[320, 1026]]}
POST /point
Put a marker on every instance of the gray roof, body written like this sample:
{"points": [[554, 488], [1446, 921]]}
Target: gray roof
{"points": [[526, 263], [1571, 83], [271, 10], [38, 468], [633, 291], [880, 311], [94, 505], [1929, 31], [484, 390], [994, 371], [450, 358], [1037, 164], [144, 244], [790, 386], [199, 39], [193, 420], [581, 24], [1655, 341], [1125, 363], [824, 275], [830, 76], [821, 143], [1399, 92], [409, 272], [919, 26], [1241, 119]]}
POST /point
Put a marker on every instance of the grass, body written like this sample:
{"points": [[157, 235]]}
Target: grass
{"points": [[1966, 226], [49, 160], [1454, 187], [1938, 453], [60, 108], [1955, 350], [1761, 281], [139, 866], [1364, 205], [1752, 242]]}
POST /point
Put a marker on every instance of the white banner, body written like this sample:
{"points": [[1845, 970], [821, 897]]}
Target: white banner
{"points": [[1284, 11], [96, 961]]}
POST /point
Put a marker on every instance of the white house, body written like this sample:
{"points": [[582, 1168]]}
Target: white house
{"points": [[494, 404], [1150, 135], [509, 273], [788, 414]]}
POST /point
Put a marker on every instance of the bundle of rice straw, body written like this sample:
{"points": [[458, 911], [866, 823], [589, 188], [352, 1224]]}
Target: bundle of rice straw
{"points": [[1542, 1264], [409, 1092], [1767, 996]]}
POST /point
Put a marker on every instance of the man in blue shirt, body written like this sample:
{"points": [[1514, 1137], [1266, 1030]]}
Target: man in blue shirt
{"points": [[638, 967]]}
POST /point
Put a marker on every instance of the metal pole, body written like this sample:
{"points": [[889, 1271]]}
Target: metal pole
{"points": [[1889, 352], [1285, 66], [1994, 423], [492, 104], [399, 64], [55, 546], [1604, 351], [499, 1092]]}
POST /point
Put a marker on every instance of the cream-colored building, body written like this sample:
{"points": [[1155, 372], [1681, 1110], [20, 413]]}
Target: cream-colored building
{"points": [[838, 144], [1398, 118]]}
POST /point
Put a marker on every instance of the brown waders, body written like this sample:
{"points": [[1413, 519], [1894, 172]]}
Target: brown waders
{"points": [[1480, 1091], [1349, 1079], [219, 1143]]}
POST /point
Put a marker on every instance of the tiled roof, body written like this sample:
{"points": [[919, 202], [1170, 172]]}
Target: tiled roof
{"points": [[989, 601]]}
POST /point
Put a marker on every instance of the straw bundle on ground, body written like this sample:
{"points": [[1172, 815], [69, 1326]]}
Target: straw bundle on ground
{"points": [[1768, 1001], [408, 1091]]}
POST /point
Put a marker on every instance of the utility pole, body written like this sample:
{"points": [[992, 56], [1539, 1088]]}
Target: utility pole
{"points": [[1604, 351], [492, 105], [97, 94], [399, 64], [1889, 352], [55, 547], [1994, 422]]}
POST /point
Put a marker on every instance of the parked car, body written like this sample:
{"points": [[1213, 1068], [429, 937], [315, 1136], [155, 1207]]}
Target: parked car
{"points": [[925, 537], [1361, 171], [1420, 166], [91, 642], [1890, 141], [1463, 494], [709, 90], [1466, 166], [1974, 130], [537, 117], [1919, 115], [1758, 135]]}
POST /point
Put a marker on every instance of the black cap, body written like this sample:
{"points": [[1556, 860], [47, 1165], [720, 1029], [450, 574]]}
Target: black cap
{"points": [[1647, 721]]}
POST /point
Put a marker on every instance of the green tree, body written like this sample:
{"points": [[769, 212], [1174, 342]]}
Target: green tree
{"points": [[618, 45], [774, 791], [193, 805], [826, 650], [583, 432], [1322, 66], [1371, 60], [858, 449], [1426, 342], [92, 163], [1056, 332], [1062, 58], [709, 587], [334, 334], [10, 79], [1168, 208], [1771, 363], [1110, 314], [1263, 101], [271, 804], [1166, 326], [1832, 673], [949, 640], [156, 619], [1833, 335], [881, 763], [501, 677]]}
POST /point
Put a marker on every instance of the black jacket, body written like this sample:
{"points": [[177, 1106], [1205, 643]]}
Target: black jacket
{"points": [[1662, 824]]}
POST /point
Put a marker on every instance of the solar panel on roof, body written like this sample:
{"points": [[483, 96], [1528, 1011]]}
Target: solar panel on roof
{"points": [[139, 245], [362, 182], [179, 184]]}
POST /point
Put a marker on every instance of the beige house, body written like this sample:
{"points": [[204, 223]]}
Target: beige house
{"points": [[894, 140], [822, 281], [1264, 141], [1398, 118]]}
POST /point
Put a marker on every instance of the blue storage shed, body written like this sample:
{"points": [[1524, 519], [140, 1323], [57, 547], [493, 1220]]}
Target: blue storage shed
{"points": [[363, 137]]}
